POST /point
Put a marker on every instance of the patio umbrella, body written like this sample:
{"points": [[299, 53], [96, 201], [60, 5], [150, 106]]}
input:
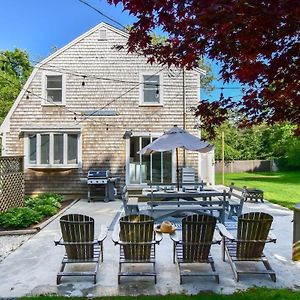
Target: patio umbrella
{"points": [[177, 138]]}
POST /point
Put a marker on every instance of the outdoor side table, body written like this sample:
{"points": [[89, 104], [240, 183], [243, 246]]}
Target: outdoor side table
{"points": [[254, 194]]}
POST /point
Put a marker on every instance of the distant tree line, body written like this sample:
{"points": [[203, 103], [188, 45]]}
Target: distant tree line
{"points": [[276, 142]]}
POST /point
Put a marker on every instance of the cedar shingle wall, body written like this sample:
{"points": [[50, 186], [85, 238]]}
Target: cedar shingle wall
{"points": [[100, 147]]}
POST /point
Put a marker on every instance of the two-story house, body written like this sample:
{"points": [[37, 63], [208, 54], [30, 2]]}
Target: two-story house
{"points": [[92, 104]]}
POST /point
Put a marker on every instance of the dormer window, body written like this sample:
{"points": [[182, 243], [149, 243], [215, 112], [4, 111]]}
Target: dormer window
{"points": [[53, 89]]}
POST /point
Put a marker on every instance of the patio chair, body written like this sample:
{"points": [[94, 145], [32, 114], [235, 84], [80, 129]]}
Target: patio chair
{"points": [[128, 208], [188, 175], [235, 201], [188, 178], [252, 235], [78, 239], [194, 246], [137, 240]]}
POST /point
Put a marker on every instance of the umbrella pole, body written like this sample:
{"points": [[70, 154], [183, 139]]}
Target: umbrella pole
{"points": [[177, 170]]}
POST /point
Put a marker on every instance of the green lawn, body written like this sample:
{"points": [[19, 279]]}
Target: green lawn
{"points": [[251, 294], [279, 187]]}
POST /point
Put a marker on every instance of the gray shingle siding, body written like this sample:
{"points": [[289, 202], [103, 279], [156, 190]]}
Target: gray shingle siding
{"points": [[100, 147]]}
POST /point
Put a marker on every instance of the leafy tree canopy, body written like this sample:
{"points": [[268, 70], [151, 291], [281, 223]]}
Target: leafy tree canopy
{"points": [[256, 42], [14, 71], [259, 142]]}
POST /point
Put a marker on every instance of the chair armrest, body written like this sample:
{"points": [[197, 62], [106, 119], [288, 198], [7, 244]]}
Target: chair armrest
{"points": [[224, 232], [115, 235], [103, 234], [57, 240], [175, 237], [158, 237], [271, 238]]}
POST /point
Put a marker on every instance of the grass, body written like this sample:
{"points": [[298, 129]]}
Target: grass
{"points": [[251, 294], [279, 187]]}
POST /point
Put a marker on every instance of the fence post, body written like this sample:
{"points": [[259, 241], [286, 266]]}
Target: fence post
{"points": [[296, 233]]}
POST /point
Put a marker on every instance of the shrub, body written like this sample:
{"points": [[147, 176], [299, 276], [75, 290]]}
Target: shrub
{"points": [[44, 199], [293, 156], [19, 217], [46, 210], [57, 197], [35, 209]]}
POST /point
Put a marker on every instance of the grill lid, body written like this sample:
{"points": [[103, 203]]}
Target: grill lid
{"points": [[98, 174]]}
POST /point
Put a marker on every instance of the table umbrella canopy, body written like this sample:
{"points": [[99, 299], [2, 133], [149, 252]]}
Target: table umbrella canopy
{"points": [[177, 138]]}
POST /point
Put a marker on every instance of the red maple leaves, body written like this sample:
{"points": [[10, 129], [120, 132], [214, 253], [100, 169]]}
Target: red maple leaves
{"points": [[257, 43]]}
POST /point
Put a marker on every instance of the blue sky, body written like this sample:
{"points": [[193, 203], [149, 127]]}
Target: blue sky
{"points": [[39, 25]]}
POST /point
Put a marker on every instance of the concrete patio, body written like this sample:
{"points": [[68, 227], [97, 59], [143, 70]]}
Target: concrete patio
{"points": [[32, 268]]}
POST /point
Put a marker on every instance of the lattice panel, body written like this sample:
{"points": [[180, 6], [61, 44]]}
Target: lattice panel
{"points": [[11, 182], [11, 164]]}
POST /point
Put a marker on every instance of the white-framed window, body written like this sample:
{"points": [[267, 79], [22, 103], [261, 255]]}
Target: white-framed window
{"points": [[54, 88], [53, 150], [151, 89]]}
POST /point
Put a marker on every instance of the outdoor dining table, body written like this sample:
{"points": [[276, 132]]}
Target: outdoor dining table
{"points": [[186, 194], [168, 202]]}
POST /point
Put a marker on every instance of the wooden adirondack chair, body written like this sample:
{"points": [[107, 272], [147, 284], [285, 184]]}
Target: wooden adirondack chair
{"points": [[137, 240], [252, 235], [194, 246], [78, 239]]}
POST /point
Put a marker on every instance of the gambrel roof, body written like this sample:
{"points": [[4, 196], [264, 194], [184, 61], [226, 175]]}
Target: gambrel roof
{"points": [[5, 125]]}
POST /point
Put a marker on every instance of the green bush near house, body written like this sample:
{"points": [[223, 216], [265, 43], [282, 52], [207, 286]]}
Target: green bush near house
{"points": [[46, 210], [19, 217], [43, 200], [36, 208]]}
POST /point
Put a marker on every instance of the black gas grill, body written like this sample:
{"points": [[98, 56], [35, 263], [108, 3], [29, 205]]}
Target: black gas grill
{"points": [[100, 185]]}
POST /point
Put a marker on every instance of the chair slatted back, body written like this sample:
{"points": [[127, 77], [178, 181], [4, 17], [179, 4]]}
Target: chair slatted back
{"points": [[78, 234], [125, 197], [136, 234], [188, 175], [252, 233], [197, 235]]}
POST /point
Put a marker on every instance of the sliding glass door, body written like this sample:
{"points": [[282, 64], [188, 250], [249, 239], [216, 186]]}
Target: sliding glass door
{"points": [[156, 167]]}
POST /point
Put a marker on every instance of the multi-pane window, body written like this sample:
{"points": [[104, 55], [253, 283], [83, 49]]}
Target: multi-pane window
{"points": [[151, 91], [53, 149], [54, 88]]}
